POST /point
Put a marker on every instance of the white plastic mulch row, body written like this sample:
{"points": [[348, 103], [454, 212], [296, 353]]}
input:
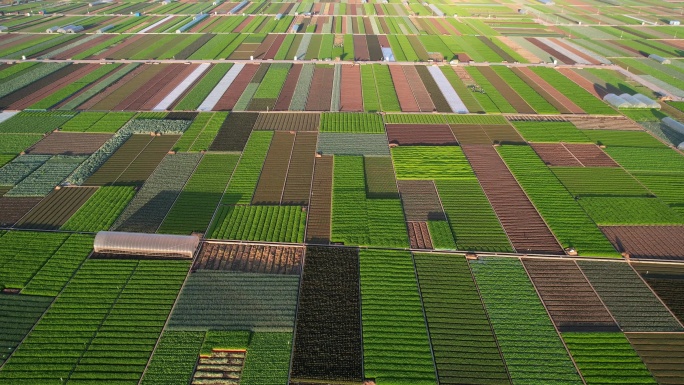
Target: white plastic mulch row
{"points": [[160, 22], [576, 58], [181, 88], [4, 115], [220, 89], [387, 54], [452, 98]]}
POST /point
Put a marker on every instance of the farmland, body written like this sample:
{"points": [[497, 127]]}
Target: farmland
{"points": [[341, 192]]}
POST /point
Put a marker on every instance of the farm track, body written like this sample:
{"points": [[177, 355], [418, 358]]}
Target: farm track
{"points": [[248, 258], [320, 206], [269, 189], [68, 143], [524, 226], [419, 235], [53, 211], [297, 188], [351, 98], [569, 298], [420, 200], [420, 135]]}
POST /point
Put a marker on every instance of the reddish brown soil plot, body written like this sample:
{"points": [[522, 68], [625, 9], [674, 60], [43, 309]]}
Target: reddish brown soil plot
{"points": [[298, 182], [420, 134], [525, 227], [81, 48], [288, 121], [13, 209], [509, 93], [407, 101], [273, 49], [555, 154], [53, 211], [150, 89], [552, 95], [557, 55], [250, 258], [663, 354], [590, 155], [320, 207], [121, 90], [269, 189], [68, 143], [320, 92], [265, 46], [16, 97], [419, 91], [147, 161], [420, 200], [419, 235], [351, 98], [485, 134], [361, 48], [648, 242], [569, 298], [233, 93], [286, 93]]}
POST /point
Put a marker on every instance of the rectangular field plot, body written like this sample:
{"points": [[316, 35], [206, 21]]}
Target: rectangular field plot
{"points": [[663, 354], [225, 300], [568, 296], [234, 132], [13, 209], [629, 299], [420, 135], [617, 211], [20, 313], [389, 294], [269, 189], [603, 181], [328, 343], [420, 200], [46, 177], [590, 352], [288, 121], [101, 210], [259, 223], [332, 143], [65, 143], [174, 358], [320, 206], [464, 346], [56, 209], [648, 242], [420, 163], [250, 258], [523, 328]]}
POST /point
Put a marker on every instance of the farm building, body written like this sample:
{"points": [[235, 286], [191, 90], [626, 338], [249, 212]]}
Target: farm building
{"points": [[659, 59], [140, 244], [616, 101]]}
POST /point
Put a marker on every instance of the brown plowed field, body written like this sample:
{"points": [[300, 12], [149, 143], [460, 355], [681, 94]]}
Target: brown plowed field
{"points": [[265, 46], [288, 121], [419, 235], [269, 190], [167, 85], [320, 92], [555, 54], [406, 99], [53, 211], [150, 89], [68, 143], [569, 298], [234, 132], [286, 93], [22, 93], [604, 123], [250, 258], [102, 94], [273, 49], [123, 91], [147, 161], [555, 154], [470, 134], [509, 93], [525, 227], [663, 354], [420, 134], [361, 48], [351, 97], [581, 81], [233, 93], [590, 155], [320, 207], [79, 70], [648, 242], [81, 48], [244, 51], [13, 209], [550, 94], [298, 182], [374, 50], [420, 200], [440, 102], [119, 161], [419, 91]]}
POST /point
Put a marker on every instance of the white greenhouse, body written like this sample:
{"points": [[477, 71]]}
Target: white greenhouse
{"points": [[142, 244], [616, 101], [650, 103], [634, 102], [673, 124]]}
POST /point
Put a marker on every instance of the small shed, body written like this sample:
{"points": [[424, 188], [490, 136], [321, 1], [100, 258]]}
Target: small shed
{"points": [[659, 59], [674, 22], [146, 245]]}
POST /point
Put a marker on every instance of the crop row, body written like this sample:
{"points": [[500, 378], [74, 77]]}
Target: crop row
{"points": [[260, 223], [351, 122], [35, 122], [101, 210], [43, 179]]}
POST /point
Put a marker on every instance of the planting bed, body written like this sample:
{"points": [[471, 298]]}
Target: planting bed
{"points": [[320, 205], [420, 200], [300, 170], [663, 354], [269, 189], [53, 211], [648, 242], [569, 297], [250, 258], [234, 132], [419, 235], [287, 122], [421, 135], [328, 342], [64, 143]]}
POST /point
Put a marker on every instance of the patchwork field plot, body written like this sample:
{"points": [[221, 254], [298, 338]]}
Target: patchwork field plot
{"points": [[250, 258]]}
